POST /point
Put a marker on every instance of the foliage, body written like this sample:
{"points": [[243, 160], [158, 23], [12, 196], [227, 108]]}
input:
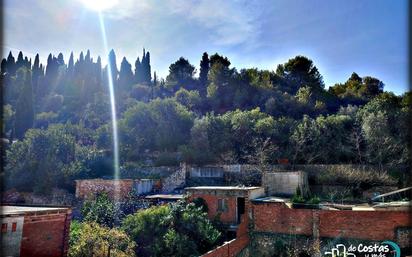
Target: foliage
{"points": [[224, 116], [101, 210], [91, 239], [179, 229], [24, 116], [160, 125], [354, 176], [43, 160]]}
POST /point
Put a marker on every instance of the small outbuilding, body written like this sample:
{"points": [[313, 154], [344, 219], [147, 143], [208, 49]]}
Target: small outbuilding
{"points": [[228, 203]]}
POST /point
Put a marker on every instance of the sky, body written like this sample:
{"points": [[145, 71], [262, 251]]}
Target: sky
{"points": [[369, 37]]}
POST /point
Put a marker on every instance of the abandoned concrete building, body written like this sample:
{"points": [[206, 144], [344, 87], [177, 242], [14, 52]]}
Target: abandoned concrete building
{"points": [[29, 231]]}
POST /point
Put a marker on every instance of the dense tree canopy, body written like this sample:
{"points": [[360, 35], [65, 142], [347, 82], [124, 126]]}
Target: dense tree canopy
{"points": [[58, 116], [178, 229]]}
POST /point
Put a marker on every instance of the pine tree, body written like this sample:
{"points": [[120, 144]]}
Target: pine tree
{"points": [[24, 107]]}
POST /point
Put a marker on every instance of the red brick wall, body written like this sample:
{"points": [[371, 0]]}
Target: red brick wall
{"points": [[368, 225], [212, 203], [45, 235], [87, 189], [229, 249], [372, 225], [233, 247], [278, 218]]}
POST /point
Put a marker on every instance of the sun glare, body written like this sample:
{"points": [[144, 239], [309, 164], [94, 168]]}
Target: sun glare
{"points": [[99, 5]]}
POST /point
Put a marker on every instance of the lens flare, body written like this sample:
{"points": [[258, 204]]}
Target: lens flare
{"points": [[113, 111]]}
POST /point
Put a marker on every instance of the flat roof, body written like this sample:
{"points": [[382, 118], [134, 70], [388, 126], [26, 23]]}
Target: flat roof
{"points": [[165, 196], [271, 199], [227, 188], [10, 209]]}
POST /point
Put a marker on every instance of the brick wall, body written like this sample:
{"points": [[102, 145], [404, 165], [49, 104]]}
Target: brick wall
{"points": [[367, 225], [45, 234], [212, 203], [235, 246]]}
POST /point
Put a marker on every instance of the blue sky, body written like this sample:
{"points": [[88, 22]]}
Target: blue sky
{"points": [[369, 37]]}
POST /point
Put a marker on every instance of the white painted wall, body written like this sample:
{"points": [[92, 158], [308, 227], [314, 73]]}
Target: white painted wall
{"points": [[11, 241]]}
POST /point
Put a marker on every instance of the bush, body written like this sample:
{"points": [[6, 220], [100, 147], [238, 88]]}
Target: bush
{"points": [[102, 211], [91, 239], [178, 229]]}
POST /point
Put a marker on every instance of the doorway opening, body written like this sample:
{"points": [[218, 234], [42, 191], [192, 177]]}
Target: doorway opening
{"points": [[240, 208]]}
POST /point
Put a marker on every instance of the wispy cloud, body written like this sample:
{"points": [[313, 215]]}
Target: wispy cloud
{"points": [[229, 22], [225, 22]]}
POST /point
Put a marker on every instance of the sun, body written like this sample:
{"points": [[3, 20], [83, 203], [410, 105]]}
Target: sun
{"points": [[99, 5]]}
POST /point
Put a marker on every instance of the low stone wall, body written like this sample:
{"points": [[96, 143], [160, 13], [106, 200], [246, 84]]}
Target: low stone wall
{"points": [[88, 188], [56, 197], [175, 180]]}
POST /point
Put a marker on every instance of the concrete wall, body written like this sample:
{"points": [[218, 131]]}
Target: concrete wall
{"points": [[11, 240], [206, 172], [285, 182], [144, 186]]}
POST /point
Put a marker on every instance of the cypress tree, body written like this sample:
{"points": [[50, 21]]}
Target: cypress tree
{"points": [[113, 65], [138, 71], [36, 73], [147, 69], [11, 64], [204, 70], [60, 59], [20, 60], [125, 75], [99, 70], [24, 107], [87, 59], [3, 67], [70, 66]]}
